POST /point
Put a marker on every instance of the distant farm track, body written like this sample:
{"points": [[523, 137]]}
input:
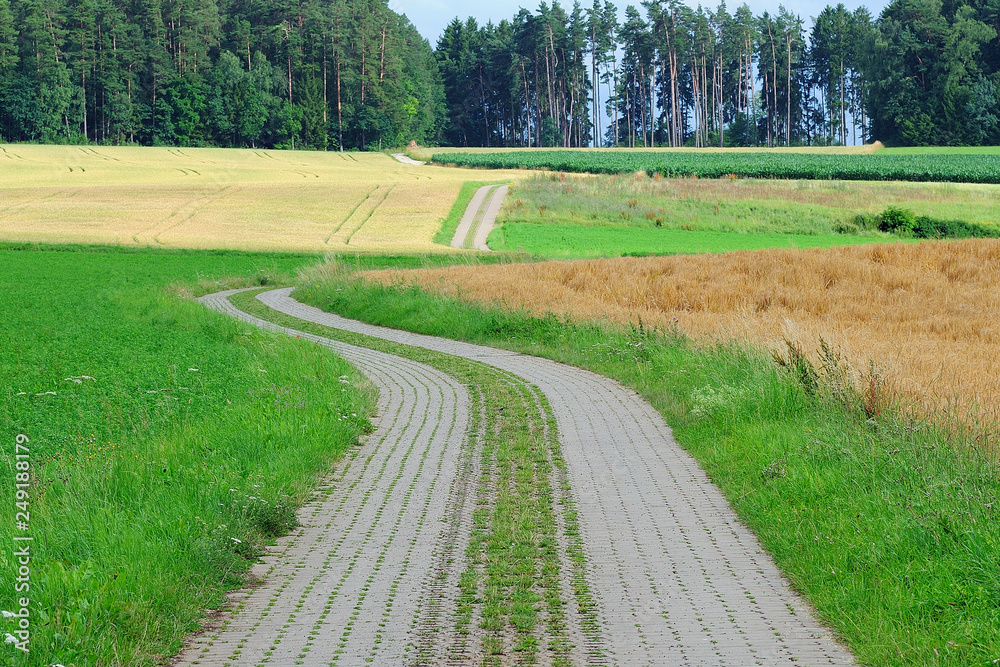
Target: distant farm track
{"points": [[676, 579], [479, 217]]}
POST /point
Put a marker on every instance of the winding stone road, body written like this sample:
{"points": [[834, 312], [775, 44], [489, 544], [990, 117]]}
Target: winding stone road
{"points": [[677, 579]]}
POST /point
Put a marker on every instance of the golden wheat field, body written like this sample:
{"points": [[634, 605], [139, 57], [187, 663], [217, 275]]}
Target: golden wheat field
{"points": [[224, 198], [927, 314]]}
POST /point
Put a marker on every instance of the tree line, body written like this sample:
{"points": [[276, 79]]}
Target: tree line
{"points": [[923, 72], [353, 74], [324, 74]]}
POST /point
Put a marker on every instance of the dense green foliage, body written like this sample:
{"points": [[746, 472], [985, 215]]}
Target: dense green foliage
{"points": [[194, 72], [888, 527], [847, 167], [351, 74], [925, 72], [167, 443], [903, 222]]}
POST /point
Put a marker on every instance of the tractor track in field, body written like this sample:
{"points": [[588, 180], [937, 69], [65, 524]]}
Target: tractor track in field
{"points": [[675, 579]]}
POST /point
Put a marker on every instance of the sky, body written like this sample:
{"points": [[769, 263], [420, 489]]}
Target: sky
{"points": [[431, 16]]}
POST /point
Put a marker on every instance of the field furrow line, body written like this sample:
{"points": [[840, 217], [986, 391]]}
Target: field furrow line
{"points": [[676, 578], [348, 586], [351, 213], [371, 212]]}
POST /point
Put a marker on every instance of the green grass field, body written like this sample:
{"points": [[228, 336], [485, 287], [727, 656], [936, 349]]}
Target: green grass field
{"points": [[578, 241], [567, 216], [167, 443]]}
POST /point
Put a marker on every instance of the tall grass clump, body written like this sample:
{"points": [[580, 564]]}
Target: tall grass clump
{"points": [[168, 443], [884, 521]]}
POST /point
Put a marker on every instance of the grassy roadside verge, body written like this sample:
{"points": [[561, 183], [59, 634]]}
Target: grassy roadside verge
{"points": [[167, 443], [888, 527], [524, 542]]}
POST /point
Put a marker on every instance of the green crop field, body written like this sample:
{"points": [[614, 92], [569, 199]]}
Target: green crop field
{"points": [[166, 442], [947, 167], [942, 150]]}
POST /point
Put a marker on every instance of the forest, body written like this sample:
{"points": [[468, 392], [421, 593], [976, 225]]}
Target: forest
{"points": [[354, 75], [310, 74]]}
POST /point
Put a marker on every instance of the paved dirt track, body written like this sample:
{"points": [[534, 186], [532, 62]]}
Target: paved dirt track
{"points": [[483, 209], [677, 579], [348, 585]]}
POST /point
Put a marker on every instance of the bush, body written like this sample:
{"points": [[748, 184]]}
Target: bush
{"points": [[897, 221], [903, 222]]}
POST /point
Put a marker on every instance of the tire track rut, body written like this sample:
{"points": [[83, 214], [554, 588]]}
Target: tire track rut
{"points": [[678, 580]]}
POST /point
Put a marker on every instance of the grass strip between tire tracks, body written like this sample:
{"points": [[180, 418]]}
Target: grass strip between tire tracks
{"points": [[525, 541], [887, 526]]}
